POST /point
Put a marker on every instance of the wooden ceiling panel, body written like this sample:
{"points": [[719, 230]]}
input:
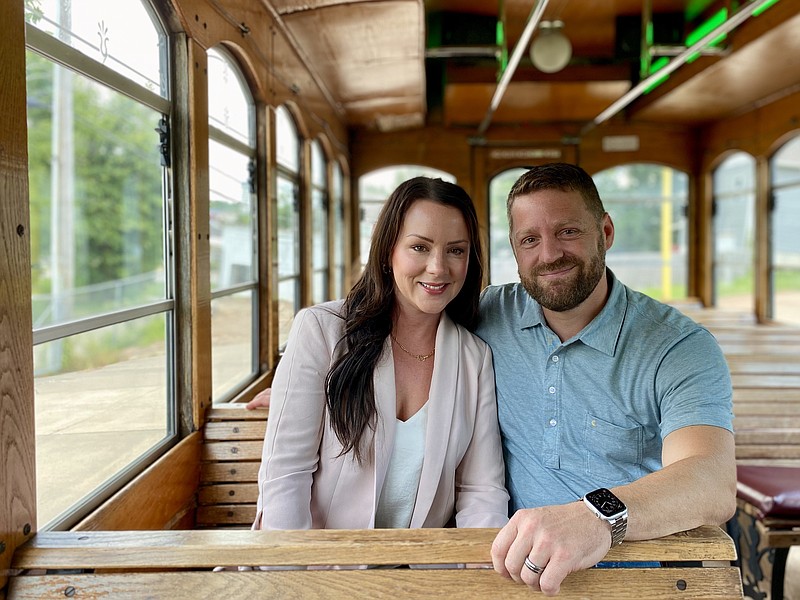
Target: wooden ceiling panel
{"points": [[369, 56], [740, 80], [286, 7], [532, 102], [366, 50]]}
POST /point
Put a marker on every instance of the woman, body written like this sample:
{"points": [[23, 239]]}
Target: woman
{"points": [[383, 409]]}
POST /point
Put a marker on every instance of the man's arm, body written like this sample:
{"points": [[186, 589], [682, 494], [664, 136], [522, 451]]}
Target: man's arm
{"points": [[696, 486]]}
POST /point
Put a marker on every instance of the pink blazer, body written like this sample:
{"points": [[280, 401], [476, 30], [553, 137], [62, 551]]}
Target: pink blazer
{"points": [[303, 483]]}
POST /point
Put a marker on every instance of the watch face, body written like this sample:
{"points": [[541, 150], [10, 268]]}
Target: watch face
{"points": [[606, 502]]}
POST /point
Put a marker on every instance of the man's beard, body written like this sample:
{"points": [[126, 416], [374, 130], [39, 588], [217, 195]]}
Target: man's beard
{"points": [[566, 294]]}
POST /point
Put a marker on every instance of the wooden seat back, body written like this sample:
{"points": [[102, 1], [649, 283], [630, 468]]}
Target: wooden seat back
{"points": [[178, 564], [232, 441]]}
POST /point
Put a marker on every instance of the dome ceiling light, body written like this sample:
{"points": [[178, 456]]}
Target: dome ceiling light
{"points": [[550, 50]]}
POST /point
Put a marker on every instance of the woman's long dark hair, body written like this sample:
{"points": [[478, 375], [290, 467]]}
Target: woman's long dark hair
{"points": [[369, 305]]}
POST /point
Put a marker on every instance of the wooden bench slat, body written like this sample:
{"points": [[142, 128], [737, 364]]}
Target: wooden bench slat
{"points": [[633, 584], [742, 394], [229, 472], [236, 412], [767, 451], [226, 515], [745, 421], [234, 430], [768, 436], [242, 450], [766, 381], [237, 493], [176, 549], [778, 538], [758, 347]]}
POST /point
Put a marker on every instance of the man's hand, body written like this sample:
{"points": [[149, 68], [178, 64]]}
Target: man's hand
{"points": [[261, 400], [558, 539]]}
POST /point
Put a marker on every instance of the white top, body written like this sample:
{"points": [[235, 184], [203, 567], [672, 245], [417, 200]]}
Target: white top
{"points": [[399, 492]]}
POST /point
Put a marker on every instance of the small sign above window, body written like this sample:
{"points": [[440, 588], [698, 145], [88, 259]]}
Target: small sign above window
{"points": [[620, 143]]}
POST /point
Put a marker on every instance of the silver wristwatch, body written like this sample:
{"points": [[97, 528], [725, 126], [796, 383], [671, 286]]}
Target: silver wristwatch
{"points": [[606, 506]]}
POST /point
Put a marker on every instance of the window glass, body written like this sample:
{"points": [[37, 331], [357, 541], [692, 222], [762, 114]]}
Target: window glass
{"points": [[502, 264], [338, 232], [232, 342], [319, 225], [229, 102], [232, 220], [374, 189], [101, 403], [97, 242], [288, 256], [647, 204], [734, 232], [233, 228], [124, 36], [785, 243], [286, 140], [101, 278]]}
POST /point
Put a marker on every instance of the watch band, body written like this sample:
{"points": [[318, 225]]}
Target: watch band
{"points": [[619, 527]]}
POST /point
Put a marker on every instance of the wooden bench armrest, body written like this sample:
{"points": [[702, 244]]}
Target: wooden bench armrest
{"points": [[408, 584], [209, 548]]}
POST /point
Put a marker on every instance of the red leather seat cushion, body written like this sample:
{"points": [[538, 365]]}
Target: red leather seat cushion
{"points": [[773, 491]]}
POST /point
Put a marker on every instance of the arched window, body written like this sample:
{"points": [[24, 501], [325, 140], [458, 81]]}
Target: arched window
{"points": [[288, 154], [339, 241], [373, 190], [319, 225], [784, 241], [734, 189], [647, 204], [233, 227], [502, 264], [103, 300]]}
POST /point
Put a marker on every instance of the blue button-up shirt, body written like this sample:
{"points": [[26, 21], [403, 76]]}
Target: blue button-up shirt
{"points": [[593, 411]]}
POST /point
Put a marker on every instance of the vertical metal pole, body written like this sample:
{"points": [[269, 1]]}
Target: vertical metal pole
{"points": [[62, 191]]}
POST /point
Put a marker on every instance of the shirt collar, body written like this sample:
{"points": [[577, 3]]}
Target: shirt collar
{"points": [[603, 332]]}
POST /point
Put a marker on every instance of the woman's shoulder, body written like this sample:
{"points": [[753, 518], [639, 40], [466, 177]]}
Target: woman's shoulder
{"points": [[326, 315], [469, 340], [325, 311]]}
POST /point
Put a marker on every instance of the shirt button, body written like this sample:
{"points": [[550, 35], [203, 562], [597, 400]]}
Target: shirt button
{"points": [[553, 422], [555, 359], [552, 390]]}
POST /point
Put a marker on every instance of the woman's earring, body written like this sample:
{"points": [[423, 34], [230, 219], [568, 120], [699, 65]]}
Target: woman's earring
{"points": [[387, 269]]}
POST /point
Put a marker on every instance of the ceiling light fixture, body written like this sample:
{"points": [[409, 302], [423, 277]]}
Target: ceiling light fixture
{"points": [[551, 50]]}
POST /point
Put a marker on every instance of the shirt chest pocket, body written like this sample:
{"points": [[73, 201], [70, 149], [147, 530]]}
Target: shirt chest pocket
{"points": [[613, 452]]}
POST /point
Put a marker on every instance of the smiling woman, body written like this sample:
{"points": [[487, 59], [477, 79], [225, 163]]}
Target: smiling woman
{"points": [[356, 435]]}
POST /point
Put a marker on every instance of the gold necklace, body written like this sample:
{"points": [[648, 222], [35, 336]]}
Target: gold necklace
{"points": [[419, 357]]}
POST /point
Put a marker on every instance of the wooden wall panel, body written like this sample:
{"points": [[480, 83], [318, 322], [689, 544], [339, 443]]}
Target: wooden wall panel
{"points": [[17, 457]]}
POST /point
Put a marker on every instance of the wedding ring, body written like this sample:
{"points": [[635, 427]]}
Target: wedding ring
{"points": [[533, 567]]}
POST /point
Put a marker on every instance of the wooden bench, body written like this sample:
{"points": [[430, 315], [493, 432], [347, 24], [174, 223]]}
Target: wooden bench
{"points": [[764, 361], [767, 525], [231, 455], [178, 564]]}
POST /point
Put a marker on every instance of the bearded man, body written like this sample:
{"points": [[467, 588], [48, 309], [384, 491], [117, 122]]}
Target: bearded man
{"points": [[615, 409]]}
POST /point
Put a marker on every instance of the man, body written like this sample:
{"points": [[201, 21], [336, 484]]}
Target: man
{"points": [[598, 386], [603, 393]]}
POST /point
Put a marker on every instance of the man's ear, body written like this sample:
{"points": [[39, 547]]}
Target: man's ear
{"points": [[608, 230]]}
